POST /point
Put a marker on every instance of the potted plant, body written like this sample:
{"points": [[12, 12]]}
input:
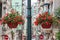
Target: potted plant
{"points": [[12, 19], [45, 20]]}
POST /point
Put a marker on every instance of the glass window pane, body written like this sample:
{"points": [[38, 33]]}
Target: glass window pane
{"points": [[17, 5]]}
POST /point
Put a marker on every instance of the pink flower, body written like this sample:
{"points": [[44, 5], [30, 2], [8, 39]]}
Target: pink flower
{"points": [[6, 14], [39, 15], [13, 11], [3, 17]]}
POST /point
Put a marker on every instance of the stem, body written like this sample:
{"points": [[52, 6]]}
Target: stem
{"points": [[12, 36], [12, 33]]}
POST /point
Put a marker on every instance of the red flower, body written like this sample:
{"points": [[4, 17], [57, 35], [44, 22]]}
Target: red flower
{"points": [[20, 22], [4, 21], [15, 20], [39, 16], [17, 17], [36, 23], [49, 17], [41, 36], [47, 23], [44, 18], [46, 13]]}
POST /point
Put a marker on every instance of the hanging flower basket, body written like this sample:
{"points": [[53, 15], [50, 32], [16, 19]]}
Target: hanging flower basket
{"points": [[45, 20], [12, 19], [12, 25], [46, 25]]}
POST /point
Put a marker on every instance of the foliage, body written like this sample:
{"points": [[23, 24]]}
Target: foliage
{"points": [[58, 35], [57, 12], [12, 17], [12, 32], [45, 19]]}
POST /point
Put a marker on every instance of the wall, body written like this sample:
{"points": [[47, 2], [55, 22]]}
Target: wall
{"points": [[56, 4]]}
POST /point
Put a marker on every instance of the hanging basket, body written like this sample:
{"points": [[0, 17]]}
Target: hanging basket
{"points": [[44, 25], [12, 25]]}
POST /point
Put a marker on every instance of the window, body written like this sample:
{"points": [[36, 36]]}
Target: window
{"points": [[17, 5]]}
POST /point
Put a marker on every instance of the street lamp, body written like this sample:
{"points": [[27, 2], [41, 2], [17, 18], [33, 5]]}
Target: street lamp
{"points": [[29, 20]]}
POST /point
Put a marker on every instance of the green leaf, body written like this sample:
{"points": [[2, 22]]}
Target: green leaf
{"points": [[58, 36]]}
